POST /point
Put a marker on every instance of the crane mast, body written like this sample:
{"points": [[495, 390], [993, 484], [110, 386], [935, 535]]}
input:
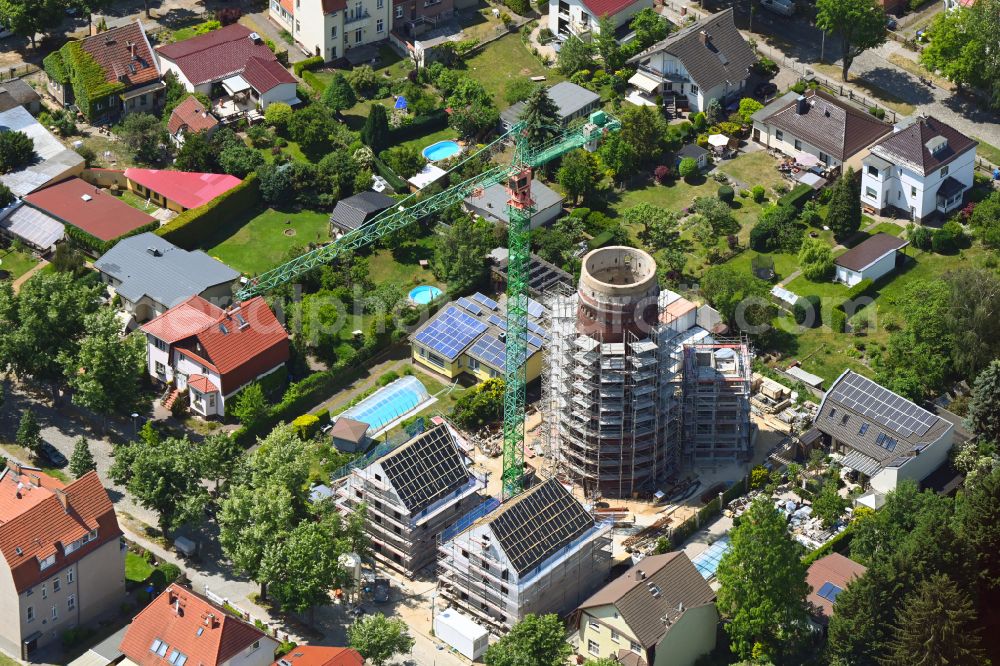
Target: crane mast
{"points": [[517, 178]]}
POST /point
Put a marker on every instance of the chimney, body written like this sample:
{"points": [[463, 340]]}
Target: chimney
{"points": [[131, 49], [63, 499], [639, 575], [704, 37], [801, 105]]}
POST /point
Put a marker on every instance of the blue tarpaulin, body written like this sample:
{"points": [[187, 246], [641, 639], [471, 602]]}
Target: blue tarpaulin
{"points": [[400, 102]]}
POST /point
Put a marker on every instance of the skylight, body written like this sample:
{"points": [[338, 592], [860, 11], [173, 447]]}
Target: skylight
{"points": [[158, 647], [829, 591], [177, 658]]}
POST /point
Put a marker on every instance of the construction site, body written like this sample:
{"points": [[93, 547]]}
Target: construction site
{"points": [[637, 382]]}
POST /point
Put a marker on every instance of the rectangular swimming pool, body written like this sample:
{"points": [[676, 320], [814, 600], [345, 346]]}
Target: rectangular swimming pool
{"points": [[389, 403]]}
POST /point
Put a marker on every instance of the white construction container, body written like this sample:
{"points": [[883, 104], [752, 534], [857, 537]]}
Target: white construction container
{"points": [[460, 632]]}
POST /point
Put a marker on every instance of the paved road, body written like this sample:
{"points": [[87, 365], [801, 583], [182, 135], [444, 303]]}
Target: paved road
{"points": [[62, 427]]}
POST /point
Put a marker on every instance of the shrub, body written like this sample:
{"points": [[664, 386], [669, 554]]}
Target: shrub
{"points": [[862, 288], [521, 7], [306, 426], [699, 121], [688, 168], [757, 192], [799, 87], [308, 64], [194, 225], [920, 236], [878, 112], [662, 173], [766, 67], [807, 311], [278, 114], [165, 574], [758, 477], [797, 197], [726, 194], [944, 241], [838, 320]]}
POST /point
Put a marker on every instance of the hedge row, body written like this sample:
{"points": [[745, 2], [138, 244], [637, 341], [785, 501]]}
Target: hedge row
{"points": [[797, 197], [391, 177], [421, 126], [839, 543], [314, 62], [863, 288], [194, 225], [94, 246], [314, 82]]}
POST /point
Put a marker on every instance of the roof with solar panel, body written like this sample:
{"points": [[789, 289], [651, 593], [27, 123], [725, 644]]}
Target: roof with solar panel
{"points": [[426, 468], [883, 429], [477, 325]]}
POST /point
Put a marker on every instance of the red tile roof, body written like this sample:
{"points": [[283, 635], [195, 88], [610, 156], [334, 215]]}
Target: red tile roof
{"points": [[266, 74], [602, 8], [187, 622], [192, 116], [183, 320], [321, 655], [39, 516], [215, 55], [240, 353], [113, 51], [289, 6], [103, 215], [187, 188], [202, 383], [836, 569]]}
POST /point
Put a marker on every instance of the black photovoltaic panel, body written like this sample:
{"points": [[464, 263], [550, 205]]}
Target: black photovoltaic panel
{"points": [[450, 332], [539, 523], [425, 469], [883, 406]]}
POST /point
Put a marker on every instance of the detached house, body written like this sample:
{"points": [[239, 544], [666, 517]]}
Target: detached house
{"points": [[230, 62], [213, 353], [924, 168], [131, 74], [661, 612], [61, 564], [413, 493], [182, 628], [581, 17], [190, 117], [332, 28], [706, 60], [816, 123]]}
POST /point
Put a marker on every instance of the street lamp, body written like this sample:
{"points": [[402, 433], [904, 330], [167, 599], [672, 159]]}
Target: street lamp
{"points": [[134, 417]]}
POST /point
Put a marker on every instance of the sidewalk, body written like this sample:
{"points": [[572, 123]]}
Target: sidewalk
{"points": [[31, 271]]}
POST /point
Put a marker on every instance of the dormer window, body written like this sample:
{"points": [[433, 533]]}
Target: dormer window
{"points": [[47, 562]]}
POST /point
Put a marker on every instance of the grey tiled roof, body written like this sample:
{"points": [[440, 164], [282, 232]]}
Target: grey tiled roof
{"points": [[148, 265], [17, 93], [354, 211], [493, 201], [909, 145], [876, 422], [568, 97], [425, 469], [719, 56]]}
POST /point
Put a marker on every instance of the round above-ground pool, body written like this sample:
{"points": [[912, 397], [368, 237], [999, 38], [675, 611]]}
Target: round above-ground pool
{"points": [[424, 294], [441, 150]]}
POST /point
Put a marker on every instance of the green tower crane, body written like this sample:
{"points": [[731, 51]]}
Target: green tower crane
{"points": [[517, 178]]}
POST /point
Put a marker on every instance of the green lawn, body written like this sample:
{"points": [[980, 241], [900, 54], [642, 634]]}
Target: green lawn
{"points": [[7, 661], [824, 289], [402, 265], [751, 169], [134, 200], [504, 60], [291, 149], [136, 568], [784, 264], [887, 228], [260, 243], [447, 134], [988, 151], [16, 262]]}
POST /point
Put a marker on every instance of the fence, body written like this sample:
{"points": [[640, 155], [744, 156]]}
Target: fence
{"points": [[409, 432], [24, 69]]}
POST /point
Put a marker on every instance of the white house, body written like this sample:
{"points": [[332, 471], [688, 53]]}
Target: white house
{"points": [[213, 353], [819, 124], [924, 168], [580, 17], [880, 435], [868, 260], [331, 28], [230, 61], [706, 60]]}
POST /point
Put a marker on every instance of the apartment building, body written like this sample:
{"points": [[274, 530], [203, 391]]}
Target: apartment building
{"points": [[331, 28], [413, 493], [61, 561]]}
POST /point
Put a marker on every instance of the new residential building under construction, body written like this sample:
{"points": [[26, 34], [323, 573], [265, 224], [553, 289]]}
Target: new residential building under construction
{"points": [[539, 552], [635, 384]]}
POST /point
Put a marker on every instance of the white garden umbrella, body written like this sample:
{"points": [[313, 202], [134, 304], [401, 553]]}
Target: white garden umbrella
{"points": [[719, 140], [806, 159]]}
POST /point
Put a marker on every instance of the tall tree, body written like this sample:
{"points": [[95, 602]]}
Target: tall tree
{"points": [[618, 157], [984, 413], [607, 45], [650, 27], [658, 226], [740, 297], [106, 370], [460, 255], [979, 523], [165, 478], [575, 55], [644, 129], [763, 585], [17, 150], [375, 133], [859, 23], [379, 638], [197, 153], [26, 18], [144, 136], [829, 505], [29, 432], [973, 319], [279, 459], [960, 45], [843, 215], [82, 460], [937, 626], [539, 640], [339, 95], [302, 568], [251, 520], [540, 115], [579, 174]]}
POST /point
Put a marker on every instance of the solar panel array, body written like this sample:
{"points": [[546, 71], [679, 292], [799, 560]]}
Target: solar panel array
{"points": [[486, 301], [882, 405], [425, 469], [489, 349], [470, 306], [497, 320], [829, 591], [451, 332]]}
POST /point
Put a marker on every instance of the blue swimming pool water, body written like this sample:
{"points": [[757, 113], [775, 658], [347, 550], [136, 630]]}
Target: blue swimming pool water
{"points": [[424, 294], [441, 150], [389, 403], [707, 562]]}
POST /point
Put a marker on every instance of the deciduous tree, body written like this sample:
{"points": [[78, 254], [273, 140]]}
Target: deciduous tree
{"points": [[763, 585], [379, 638], [539, 640], [251, 519], [460, 254], [607, 45], [739, 297], [575, 55], [816, 259], [106, 369], [17, 150], [250, 405], [829, 506], [26, 18], [860, 25], [144, 136], [29, 432], [302, 568], [579, 174]]}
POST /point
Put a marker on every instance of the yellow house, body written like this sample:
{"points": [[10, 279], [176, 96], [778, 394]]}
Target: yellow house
{"points": [[178, 190], [469, 336], [661, 612]]}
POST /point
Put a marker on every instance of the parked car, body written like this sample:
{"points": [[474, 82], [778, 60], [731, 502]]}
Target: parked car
{"points": [[765, 90], [380, 590], [783, 7], [53, 455], [890, 23]]}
